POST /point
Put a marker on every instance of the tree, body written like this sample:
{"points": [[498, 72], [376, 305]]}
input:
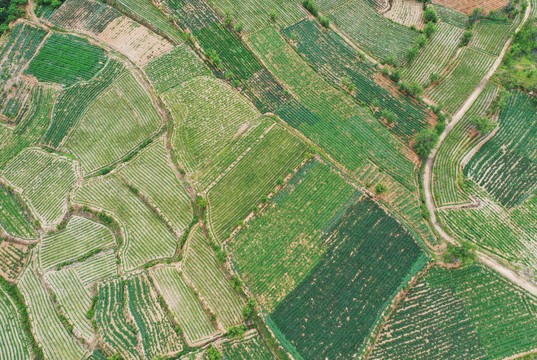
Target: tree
{"points": [[273, 15], [420, 41], [389, 116], [483, 124], [236, 332], [380, 188], [395, 75], [435, 78], [311, 7], [464, 253], [325, 21], [213, 353], [412, 53], [430, 29], [249, 309], [424, 142], [415, 89], [239, 26], [430, 15], [466, 37]]}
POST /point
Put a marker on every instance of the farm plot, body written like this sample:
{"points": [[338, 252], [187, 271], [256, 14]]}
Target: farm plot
{"points": [[12, 340], [156, 330], [193, 14], [335, 60], [373, 32], [477, 315], [405, 203], [407, 12], [107, 24], [99, 267], [501, 235], [202, 271], [147, 238], [74, 299], [72, 102], [184, 304], [336, 123], [150, 14], [15, 52], [252, 178], [506, 165], [251, 347], [447, 166], [66, 59], [12, 259], [151, 175], [44, 180], [12, 217], [255, 14], [56, 342], [118, 121], [436, 54], [209, 114], [467, 7], [491, 36], [172, 69], [118, 331], [82, 236], [370, 257], [469, 68], [451, 16], [277, 249]]}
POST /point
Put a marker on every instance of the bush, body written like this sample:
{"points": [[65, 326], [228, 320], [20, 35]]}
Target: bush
{"points": [[466, 37], [420, 41], [412, 53], [430, 29], [214, 59], [273, 15], [311, 7], [395, 75], [325, 21], [435, 78], [464, 253], [380, 188], [415, 89], [239, 26], [249, 309], [389, 116], [213, 353], [236, 332], [424, 142], [483, 124], [430, 15]]}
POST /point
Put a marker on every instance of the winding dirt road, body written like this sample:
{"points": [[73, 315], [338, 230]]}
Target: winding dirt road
{"points": [[428, 171]]}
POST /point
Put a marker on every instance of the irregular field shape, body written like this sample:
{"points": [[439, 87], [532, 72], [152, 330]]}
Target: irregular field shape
{"points": [[79, 238], [56, 342], [184, 304], [254, 176], [369, 254], [296, 220], [203, 272], [118, 120]]}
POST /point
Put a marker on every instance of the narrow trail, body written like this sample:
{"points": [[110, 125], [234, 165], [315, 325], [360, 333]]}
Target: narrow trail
{"points": [[428, 171]]}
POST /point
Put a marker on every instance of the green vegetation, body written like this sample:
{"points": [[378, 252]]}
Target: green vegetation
{"points": [[66, 59], [424, 142], [12, 216], [318, 316], [14, 342], [463, 254]]}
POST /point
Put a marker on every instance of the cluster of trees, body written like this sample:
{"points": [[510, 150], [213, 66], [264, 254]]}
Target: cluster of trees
{"points": [[10, 10], [314, 10], [464, 253]]}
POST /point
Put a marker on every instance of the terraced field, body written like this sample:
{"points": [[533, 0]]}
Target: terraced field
{"points": [[297, 219], [13, 343], [506, 165], [13, 257], [13, 218], [471, 320]]}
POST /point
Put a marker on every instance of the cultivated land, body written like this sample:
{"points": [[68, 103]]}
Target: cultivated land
{"points": [[281, 179]]}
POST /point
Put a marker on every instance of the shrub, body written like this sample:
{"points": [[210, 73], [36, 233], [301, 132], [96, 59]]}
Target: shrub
{"points": [[325, 21], [236, 332], [239, 26], [464, 253], [395, 75], [430, 15], [483, 124], [421, 40], [412, 53], [466, 37], [380, 188], [213, 353], [273, 15], [311, 7], [389, 116], [424, 142], [435, 78], [430, 29]]}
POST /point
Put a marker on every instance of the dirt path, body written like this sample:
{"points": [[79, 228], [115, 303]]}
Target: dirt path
{"points": [[428, 171]]}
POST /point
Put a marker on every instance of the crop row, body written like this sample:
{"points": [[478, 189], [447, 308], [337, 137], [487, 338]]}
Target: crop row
{"points": [[45, 180], [81, 237], [50, 333], [208, 114], [436, 54], [184, 304], [202, 271], [506, 165], [471, 65], [447, 166], [344, 130], [406, 13], [72, 102], [97, 268], [12, 341], [12, 217], [332, 312], [12, 259], [118, 121], [296, 219], [146, 237], [450, 16], [151, 174]]}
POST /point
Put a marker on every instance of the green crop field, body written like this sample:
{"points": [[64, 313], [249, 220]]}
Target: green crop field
{"points": [[81, 236], [447, 166], [491, 36], [366, 27], [12, 217], [12, 259], [56, 342], [44, 180], [12, 340], [97, 268], [202, 270], [470, 66], [251, 347], [297, 219], [147, 237], [172, 69], [66, 59], [509, 174], [319, 316], [451, 16], [120, 119], [184, 304], [252, 178], [208, 115], [460, 313], [361, 137], [335, 60], [436, 54]]}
